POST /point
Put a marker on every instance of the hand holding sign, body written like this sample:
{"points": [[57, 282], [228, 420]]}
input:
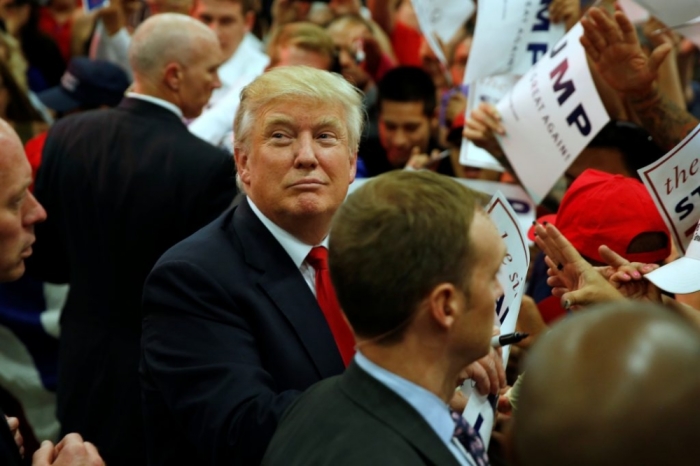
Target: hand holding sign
{"points": [[612, 45], [566, 11], [481, 128]]}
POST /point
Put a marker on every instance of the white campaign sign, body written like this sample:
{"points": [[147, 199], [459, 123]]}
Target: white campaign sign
{"points": [[674, 184], [441, 19], [510, 36], [490, 89], [691, 31], [672, 12], [551, 115], [480, 409]]}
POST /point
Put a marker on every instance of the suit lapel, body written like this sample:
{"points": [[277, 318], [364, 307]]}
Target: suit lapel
{"points": [[282, 282], [390, 409]]}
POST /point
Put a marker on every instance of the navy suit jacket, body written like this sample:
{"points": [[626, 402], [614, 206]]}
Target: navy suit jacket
{"points": [[232, 335], [354, 420]]}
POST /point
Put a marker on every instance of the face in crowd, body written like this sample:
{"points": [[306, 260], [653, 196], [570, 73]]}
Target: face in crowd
{"points": [[19, 210], [402, 127], [227, 19]]}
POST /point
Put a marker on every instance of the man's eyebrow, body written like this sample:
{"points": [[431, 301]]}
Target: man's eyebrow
{"points": [[277, 121]]}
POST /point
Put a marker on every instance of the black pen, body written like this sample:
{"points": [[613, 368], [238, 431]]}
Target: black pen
{"points": [[508, 339]]}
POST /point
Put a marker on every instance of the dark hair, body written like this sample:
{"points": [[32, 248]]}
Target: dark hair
{"points": [[636, 145], [393, 241], [408, 84], [19, 109]]}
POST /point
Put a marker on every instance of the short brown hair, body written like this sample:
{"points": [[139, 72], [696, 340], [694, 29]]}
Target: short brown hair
{"points": [[306, 36], [393, 241]]}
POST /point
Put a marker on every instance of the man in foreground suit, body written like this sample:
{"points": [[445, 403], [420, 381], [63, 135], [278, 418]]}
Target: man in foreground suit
{"points": [[19, 213], [414, 262], [233, 330], [120, 187]]}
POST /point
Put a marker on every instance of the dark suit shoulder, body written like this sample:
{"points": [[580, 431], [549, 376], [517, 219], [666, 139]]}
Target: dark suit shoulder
{"points": [[324, 426]]}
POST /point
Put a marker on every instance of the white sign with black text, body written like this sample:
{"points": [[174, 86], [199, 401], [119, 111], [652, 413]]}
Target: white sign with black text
{"points": [[674, 184], [480, 409], [510, 36], [441, 19], [551, 115]]}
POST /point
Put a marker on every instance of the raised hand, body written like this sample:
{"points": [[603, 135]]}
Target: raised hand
{"points": [[612, 44]]}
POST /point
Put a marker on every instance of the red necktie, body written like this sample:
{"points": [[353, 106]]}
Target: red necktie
{"points": [[325, 294]]}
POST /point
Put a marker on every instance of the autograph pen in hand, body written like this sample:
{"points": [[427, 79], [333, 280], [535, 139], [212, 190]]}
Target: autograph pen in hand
{"points": [[508, 339]]}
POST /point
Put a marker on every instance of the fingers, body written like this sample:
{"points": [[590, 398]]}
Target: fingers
{"points": [[45, 455], [12, 423], [627, 30], [73, 450], [477, 373], [659, 55], [612, 258]]}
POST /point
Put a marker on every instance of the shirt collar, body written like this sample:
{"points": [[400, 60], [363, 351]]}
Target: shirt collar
{"points": [[156, 101], [435, 412], [296, 249]]}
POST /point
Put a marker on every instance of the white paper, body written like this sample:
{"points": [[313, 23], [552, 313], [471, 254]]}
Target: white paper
{"points": [[635, 13], [510, 36], [672, 12], [490, 89], [518, 199], [551, 115], [441, 18], [674, 184], [480, 409], [690, 31]]}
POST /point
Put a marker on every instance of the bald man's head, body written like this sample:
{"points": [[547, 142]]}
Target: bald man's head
{"points": [[616, 385], [175, 57], [19, 210]]}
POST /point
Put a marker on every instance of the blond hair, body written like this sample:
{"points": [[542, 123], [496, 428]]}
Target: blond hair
{"points": [[298, 83], [304, 35]]}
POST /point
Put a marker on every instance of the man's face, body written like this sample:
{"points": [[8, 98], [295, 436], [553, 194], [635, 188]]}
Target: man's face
{"points": [[294, 56], [349, 40], [403, 126], [19, 210], [484, 287], [200, 78], [226, 19], [459, 62], [299, 165]]}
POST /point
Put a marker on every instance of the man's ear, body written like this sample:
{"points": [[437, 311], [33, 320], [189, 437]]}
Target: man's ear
{"points": [[249, 21], [241, 158], [443, 304], [172, 76]]}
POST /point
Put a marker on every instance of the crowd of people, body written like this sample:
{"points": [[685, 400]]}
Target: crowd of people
{"points": [[184, 279]]}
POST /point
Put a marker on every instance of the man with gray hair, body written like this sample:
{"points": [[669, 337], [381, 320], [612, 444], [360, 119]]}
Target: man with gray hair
{"points": [[240, 318], [121, 186]]}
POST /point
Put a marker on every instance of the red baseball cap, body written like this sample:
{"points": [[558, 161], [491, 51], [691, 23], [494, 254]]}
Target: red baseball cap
{"points": [[600, 208]]}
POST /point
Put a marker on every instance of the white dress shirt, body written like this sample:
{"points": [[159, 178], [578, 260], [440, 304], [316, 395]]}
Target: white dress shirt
{"points": [[296, 249], [156, 101], [114, 49], [246, 60]]}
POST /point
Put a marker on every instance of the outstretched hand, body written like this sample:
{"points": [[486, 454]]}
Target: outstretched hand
{"points": [[612, 44]]}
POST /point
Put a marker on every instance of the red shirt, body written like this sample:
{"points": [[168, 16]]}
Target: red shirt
{"points": [[60, 33], [34, 147], [406, 43]]}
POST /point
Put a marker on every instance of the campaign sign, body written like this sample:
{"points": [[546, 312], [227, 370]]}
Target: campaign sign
{"points": [[510, 36], [691, 31], [672, 13], [490, 90], [518, 199], [635, 13], [92, 5], [674, 184], [551, 115], [441, 19], [480, 409]]}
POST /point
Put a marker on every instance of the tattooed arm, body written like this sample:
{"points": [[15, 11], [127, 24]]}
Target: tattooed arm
{"points": [[612, 45]]}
